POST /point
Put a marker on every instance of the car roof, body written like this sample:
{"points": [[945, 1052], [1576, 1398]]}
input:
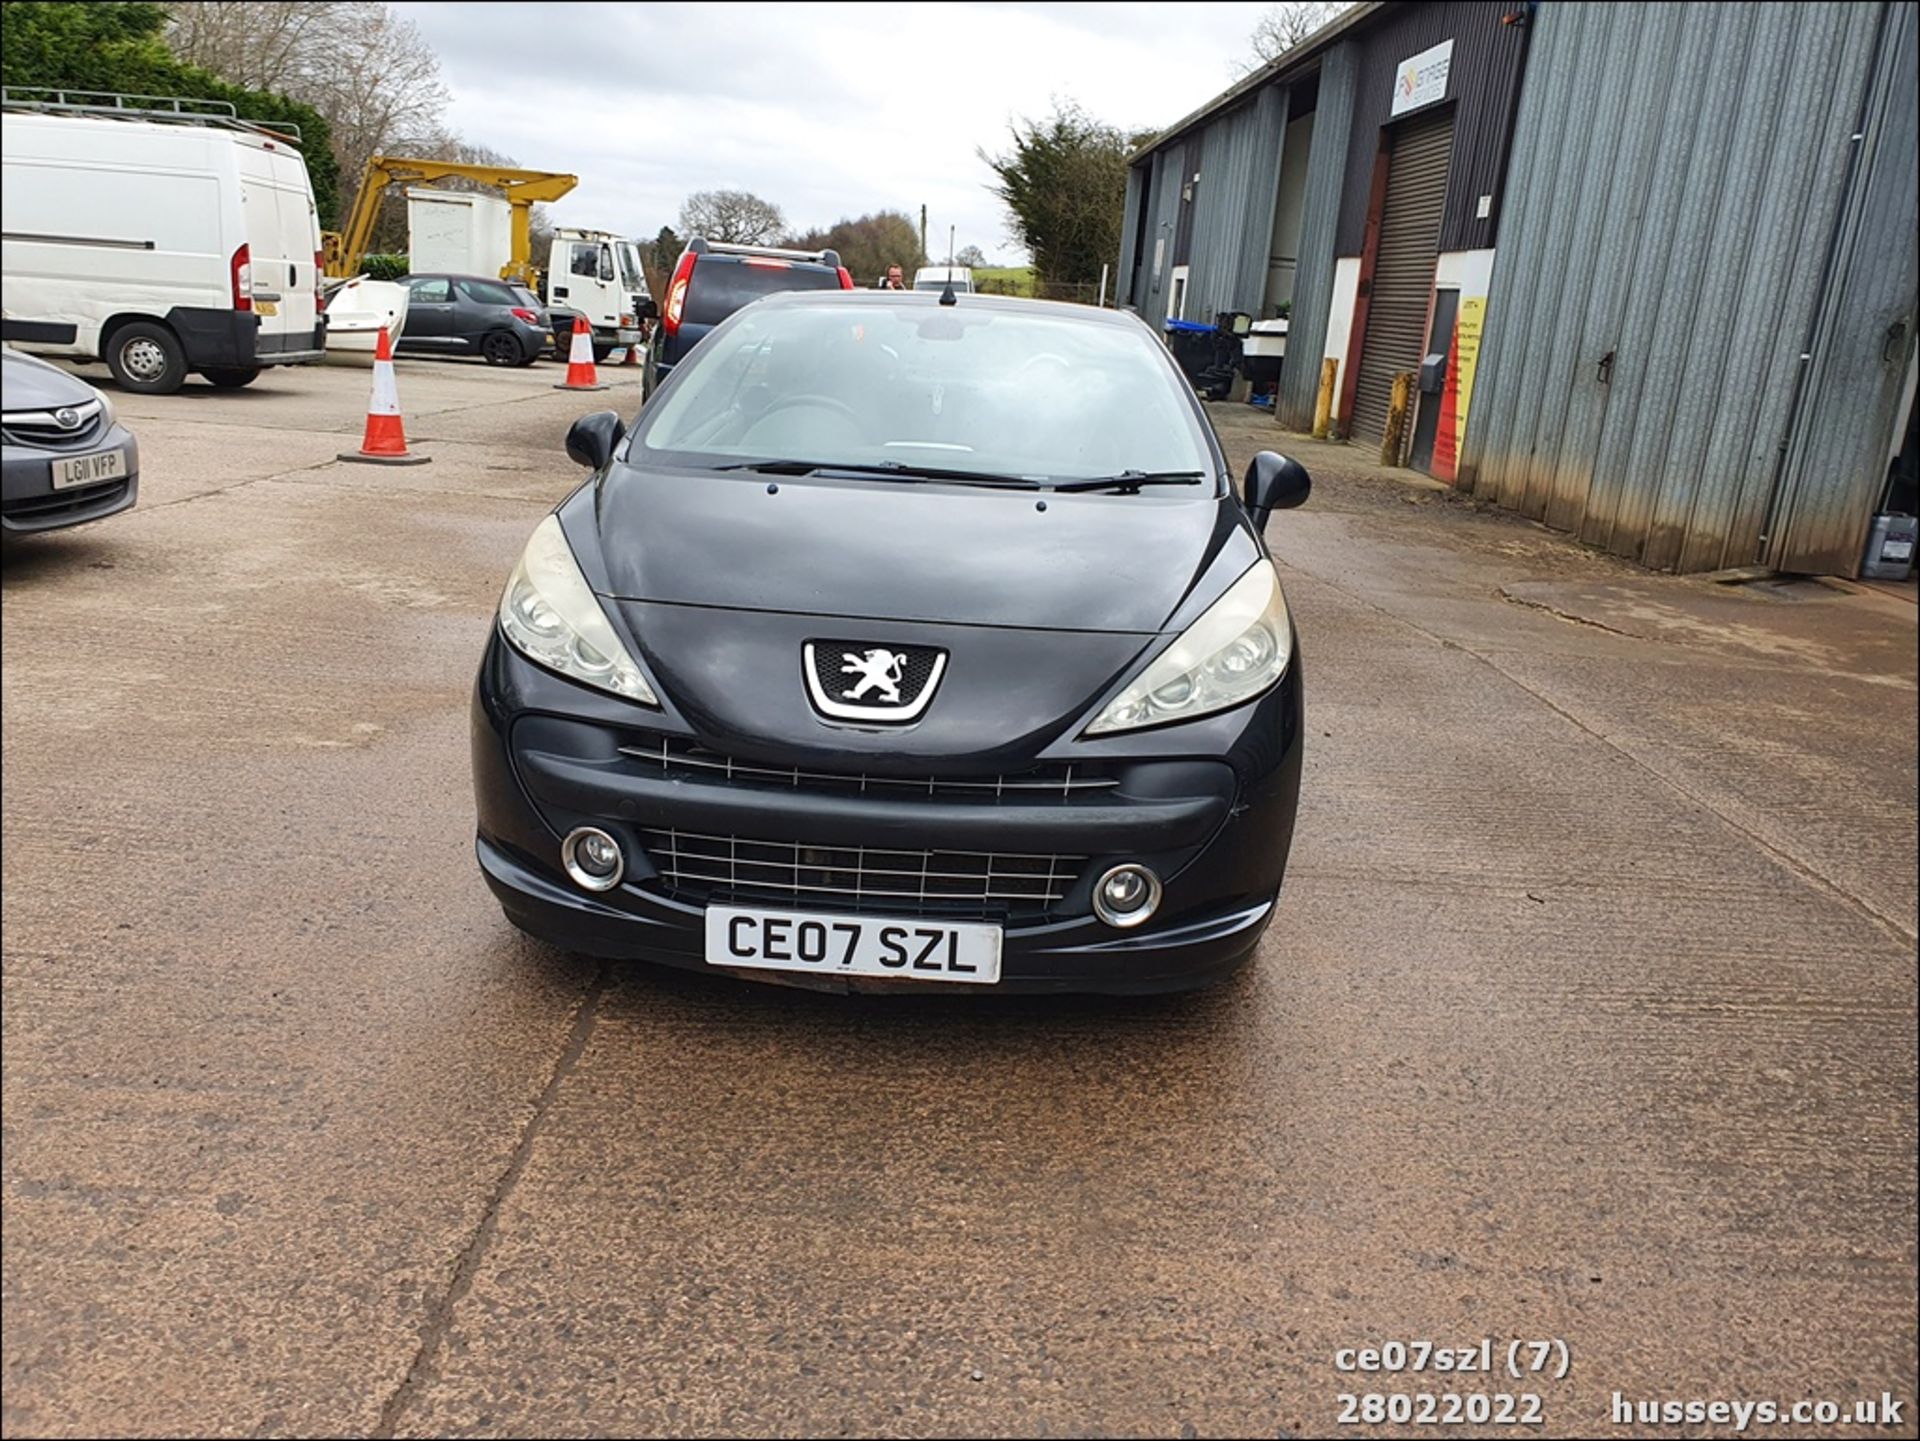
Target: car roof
{"points": [[973, 300], [457, 275]]}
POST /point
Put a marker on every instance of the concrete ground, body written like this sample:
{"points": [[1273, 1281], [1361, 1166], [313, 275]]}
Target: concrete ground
{"points": [[1589, 1014]]}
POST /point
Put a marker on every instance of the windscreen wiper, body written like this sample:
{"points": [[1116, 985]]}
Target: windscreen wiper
{"points": [[1128, 482], [892, 469]]}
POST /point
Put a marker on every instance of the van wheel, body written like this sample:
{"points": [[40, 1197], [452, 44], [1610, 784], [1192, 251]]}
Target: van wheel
{"points": [[232, 379], [501, 348], [147, 359]]}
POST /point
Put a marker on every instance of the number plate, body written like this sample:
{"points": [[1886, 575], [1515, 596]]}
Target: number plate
{"points": [[265, 307], [89, 469], [821, 945]]}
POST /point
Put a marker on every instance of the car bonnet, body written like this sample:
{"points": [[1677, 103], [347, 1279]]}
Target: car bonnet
{"points": [[886, 549]]}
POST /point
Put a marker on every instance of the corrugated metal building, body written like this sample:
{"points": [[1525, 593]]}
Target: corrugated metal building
{"points": [[1699, 348], [1681, 316], [1353, 186]]}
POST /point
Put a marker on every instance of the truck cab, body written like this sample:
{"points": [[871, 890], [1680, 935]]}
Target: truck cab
{"points": [[597, 274]]}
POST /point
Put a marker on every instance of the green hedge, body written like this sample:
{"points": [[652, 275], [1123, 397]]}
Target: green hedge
{"points": [[383, 267], [117, 47]]}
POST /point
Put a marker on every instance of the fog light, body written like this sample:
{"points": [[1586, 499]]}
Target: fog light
{"points": [[1126, 895], [592, 858]]}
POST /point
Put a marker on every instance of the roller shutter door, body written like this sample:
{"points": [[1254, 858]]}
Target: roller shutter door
{"points": [[1403, 267]]}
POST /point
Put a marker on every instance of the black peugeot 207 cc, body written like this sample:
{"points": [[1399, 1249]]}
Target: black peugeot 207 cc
{"points": [[904, 639]]}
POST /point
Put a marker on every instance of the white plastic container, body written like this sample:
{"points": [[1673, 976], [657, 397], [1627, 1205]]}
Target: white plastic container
{"points": [[1890, 547]]}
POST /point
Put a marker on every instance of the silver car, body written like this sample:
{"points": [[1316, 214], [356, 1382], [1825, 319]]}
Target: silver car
{"points": [[67, 459]]}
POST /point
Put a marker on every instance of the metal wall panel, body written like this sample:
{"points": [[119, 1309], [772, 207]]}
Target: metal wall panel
{"points": [[1237, 155], [1488, 55], [1163, 215], [1225, 166], [1677, 176], [1139, 177], [1320, 218], [1835, 472], [1269, 137]]}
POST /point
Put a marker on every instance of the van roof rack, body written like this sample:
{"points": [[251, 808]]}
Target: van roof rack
{"points": [[700, 245], [167, 109]]}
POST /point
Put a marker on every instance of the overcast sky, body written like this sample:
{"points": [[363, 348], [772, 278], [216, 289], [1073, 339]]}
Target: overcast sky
{"points": [[826, 110]]}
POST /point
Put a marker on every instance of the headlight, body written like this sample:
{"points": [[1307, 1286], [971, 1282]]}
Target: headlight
{"points": [[1239, 648], [106, 409], [549, 614]]}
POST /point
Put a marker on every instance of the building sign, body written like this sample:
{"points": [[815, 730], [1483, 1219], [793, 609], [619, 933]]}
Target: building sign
{"points": [[1457, 397], [1422, 79]]}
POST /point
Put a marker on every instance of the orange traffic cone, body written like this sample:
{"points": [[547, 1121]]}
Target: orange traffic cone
{"points": [[580, 372], [386, 438], [633, 354]]}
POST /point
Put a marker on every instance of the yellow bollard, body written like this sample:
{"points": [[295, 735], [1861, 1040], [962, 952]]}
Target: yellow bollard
{"points": [[1323, 406], [1397, 418]]}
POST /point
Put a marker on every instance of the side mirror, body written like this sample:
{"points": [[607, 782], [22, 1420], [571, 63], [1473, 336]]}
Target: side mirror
{"points": [[1273, 482], [593, 437], [648, 309]]}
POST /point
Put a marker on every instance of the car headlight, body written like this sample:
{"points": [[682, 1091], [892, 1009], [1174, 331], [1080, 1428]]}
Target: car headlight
{"points": [[1238, 649], [549, 614], [107, 413]]}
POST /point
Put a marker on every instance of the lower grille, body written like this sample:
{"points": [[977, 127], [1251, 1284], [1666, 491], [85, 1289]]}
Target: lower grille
{"points": [[904, 882], [67, 502]]}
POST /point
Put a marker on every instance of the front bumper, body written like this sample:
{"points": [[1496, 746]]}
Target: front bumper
{"points": [[29, 502], [1209, 805]]}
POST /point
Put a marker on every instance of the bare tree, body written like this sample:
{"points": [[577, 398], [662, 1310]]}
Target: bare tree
{"points": [[1284, 26], [367, 70], [261, 45], [734, 216], [971, 256]]}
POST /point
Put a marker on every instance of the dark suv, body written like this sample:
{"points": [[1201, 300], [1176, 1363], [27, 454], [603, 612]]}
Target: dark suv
{"points": [[714, 279], [500, 320]]}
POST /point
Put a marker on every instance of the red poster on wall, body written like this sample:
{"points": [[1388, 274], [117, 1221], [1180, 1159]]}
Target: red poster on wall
{"points": [[1446, 450]]}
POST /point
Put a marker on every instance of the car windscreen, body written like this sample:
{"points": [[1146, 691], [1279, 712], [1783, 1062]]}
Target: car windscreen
{"points": [[1046, 396], [723, 283]]}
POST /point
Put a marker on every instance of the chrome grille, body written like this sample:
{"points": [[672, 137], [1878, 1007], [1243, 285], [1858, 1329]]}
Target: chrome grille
{"points": [[39, 428], [671, 755], [949, 883]]}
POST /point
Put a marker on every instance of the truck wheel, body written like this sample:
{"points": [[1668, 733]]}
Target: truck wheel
{"points": [[146, 358], [228, 379], [600, 354]]}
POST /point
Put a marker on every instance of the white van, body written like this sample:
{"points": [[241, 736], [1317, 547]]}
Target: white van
{"points": [[939, 277], [161, 248]]}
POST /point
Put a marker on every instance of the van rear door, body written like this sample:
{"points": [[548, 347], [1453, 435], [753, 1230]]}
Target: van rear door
{"points": [[283, 237]]}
